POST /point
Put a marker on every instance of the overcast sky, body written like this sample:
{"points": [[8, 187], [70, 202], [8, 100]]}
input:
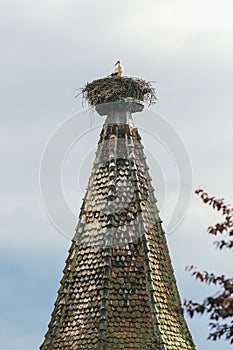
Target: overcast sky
{"points": [[49, 48]]}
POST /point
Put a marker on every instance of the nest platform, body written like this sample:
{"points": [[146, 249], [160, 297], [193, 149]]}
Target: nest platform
{"points": [[108, 93]]}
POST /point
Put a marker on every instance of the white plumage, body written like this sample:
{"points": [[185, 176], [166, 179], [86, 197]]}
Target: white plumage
{"points": [[118, 71]]}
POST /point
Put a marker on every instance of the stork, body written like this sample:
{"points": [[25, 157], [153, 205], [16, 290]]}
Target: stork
{"points": [[118, 71]]}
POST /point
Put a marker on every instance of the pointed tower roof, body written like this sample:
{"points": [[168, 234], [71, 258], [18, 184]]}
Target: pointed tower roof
{"points": [[118, 290]]}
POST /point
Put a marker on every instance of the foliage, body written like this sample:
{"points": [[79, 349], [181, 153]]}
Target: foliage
{"points": [[220, 306]]}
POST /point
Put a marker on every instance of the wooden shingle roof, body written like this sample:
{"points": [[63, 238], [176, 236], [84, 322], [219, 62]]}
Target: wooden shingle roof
{"points": [[118, 290]]}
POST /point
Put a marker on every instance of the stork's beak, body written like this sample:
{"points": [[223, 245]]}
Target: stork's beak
{"points": [[117, 62]]}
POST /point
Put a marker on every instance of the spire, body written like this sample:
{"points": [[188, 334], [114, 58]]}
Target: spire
{"points": [[118, 290]]}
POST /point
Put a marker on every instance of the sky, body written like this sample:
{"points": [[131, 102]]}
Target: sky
{"points": [[49, 49]]}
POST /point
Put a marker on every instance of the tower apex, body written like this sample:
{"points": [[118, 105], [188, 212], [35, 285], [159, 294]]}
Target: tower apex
{"points": [[118, 291]]}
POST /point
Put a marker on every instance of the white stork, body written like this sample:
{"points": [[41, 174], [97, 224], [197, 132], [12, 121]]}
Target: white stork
{"points": [[118, 71]]}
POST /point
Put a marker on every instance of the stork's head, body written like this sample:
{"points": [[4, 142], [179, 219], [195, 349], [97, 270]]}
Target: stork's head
{"points": [[118, 62]]}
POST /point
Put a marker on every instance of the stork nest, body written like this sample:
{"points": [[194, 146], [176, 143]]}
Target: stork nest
{"points": [[111, 89]]}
